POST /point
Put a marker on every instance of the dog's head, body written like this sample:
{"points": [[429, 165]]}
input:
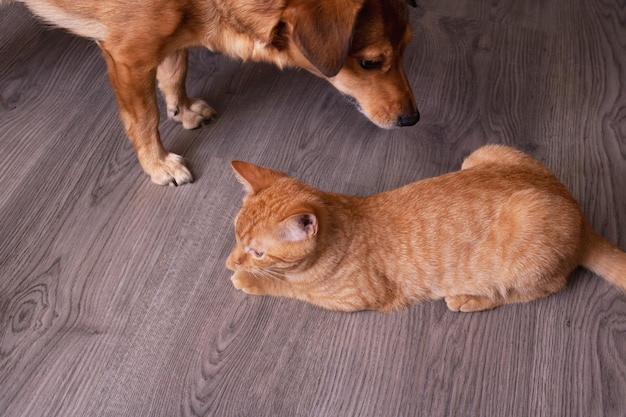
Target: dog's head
{"points": [[357, 45]]}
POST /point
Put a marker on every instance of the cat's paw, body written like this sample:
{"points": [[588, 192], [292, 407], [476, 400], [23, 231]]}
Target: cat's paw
{"points": [[470, 303], [247, 283]]}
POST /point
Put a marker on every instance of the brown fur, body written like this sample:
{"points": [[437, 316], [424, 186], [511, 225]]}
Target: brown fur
{"points": [[146, 40], [501, 230]]}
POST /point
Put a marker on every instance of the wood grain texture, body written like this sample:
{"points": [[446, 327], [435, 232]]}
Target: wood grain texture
{"points": [[114, 298]]}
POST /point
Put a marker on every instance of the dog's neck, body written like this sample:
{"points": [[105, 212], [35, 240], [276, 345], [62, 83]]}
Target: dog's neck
{"points": [[265, 39]]}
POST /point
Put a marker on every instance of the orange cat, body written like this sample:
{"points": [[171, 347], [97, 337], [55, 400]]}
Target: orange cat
{"points": [[501, 230]]}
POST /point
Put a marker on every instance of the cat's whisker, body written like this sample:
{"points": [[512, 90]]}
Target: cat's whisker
{"points": [[271, 275], [266, 274]]}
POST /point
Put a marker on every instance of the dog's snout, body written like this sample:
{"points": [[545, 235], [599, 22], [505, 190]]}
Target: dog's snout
{"points": [[408, 119]]}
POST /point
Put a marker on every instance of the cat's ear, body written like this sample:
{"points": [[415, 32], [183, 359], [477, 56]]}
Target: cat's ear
{"points": [[298, 227], [253, 177]]}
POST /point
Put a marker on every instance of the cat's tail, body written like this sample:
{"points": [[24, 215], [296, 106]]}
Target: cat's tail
{"points": [[604, 258]]}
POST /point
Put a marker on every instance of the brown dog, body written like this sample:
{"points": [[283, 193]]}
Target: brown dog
{"points": [[357, 45]]}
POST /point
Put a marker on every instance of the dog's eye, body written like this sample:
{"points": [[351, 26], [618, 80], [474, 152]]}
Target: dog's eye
{"points": [[370, 64]]}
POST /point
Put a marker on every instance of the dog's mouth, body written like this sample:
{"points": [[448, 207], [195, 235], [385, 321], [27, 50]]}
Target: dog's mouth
{"points": [[402, 120], [358, 106], [354, 102]]}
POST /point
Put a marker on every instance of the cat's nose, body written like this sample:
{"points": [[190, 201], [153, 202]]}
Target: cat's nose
{"points": [[232, 262]]}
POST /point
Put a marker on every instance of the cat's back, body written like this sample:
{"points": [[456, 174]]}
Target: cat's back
{"points": [[487, 179], [498, 213], [498, 193]]}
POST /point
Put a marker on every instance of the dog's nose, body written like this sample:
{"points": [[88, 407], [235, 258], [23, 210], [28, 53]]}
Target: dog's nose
{"points": [[408, 119]]}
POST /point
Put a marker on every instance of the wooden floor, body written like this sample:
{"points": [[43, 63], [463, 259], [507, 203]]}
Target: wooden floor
{"points": [[114, 298]]}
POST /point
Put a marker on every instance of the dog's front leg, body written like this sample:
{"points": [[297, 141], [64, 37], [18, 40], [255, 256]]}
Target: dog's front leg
{"points": [[134, 83], [171, 74]]}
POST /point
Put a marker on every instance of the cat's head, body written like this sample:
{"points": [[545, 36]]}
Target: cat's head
{"points": [[277, 226]]}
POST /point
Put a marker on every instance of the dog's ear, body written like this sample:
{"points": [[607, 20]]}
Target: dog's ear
{"points": [[412, 3], [322, 30]]}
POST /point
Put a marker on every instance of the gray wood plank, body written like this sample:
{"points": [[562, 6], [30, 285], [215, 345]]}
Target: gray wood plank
{"points": [[114, 297]]}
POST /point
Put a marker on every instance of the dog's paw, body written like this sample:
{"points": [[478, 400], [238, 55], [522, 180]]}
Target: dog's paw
{"points": [[192, 114], [170, 171]]}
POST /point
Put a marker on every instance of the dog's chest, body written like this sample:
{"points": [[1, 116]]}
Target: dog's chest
{"points": [[75, 23]]}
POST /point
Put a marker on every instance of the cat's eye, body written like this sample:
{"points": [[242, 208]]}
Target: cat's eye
{"points": [[370, 64], [257, 254]]}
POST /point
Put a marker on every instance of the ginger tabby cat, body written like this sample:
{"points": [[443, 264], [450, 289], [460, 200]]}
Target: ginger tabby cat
{"points": [[501, 230]]}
